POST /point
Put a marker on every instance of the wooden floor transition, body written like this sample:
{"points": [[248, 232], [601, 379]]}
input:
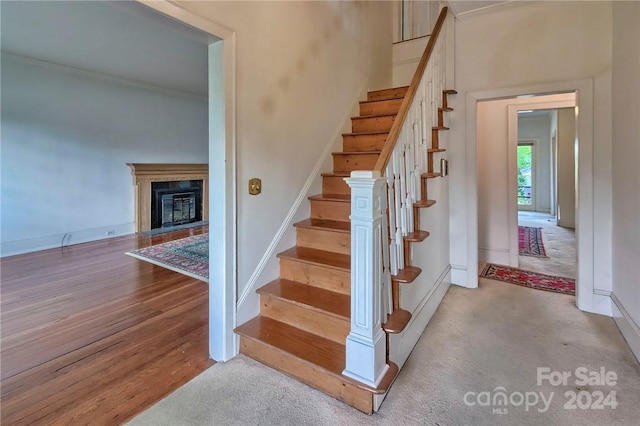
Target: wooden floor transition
{"points": [[92, 336]]}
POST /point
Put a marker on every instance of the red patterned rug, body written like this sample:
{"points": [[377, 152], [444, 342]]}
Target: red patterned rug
{"points": [[529, 279], [530, 242], [188, 256]]}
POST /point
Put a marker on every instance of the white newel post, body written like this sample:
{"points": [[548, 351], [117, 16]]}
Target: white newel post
{"points": [[366, 343]]}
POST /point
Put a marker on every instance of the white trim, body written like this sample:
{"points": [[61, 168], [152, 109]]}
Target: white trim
{"points": [[628, 327], [223, 179], [585, 297], [495, 255], [459, 276], [486, 9], [287, 223], [11, 248], [401, 345]]}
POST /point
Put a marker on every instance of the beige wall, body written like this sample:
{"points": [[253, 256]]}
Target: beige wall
{"points": [[526, 44], [300, 67], [626, 173], [566, 167]]}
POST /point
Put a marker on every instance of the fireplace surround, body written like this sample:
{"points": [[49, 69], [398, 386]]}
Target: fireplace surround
{"points": [[166, 179]]}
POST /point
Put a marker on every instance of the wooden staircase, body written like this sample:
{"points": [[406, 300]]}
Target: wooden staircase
{"points": [[305, 314]]}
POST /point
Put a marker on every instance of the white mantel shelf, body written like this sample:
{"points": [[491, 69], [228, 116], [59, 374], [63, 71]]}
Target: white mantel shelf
{"points": [[146, 173]]}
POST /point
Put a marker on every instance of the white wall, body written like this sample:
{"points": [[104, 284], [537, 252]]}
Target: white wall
{"points": [[66, 138], [528, 44], [566, 167], [539, 128], [626, 174], [300, 67]]}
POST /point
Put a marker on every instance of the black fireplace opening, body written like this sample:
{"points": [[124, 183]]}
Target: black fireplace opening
{"points": [[175, 203]]}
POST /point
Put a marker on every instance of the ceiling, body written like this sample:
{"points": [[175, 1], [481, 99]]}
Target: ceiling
{"points": [[118, 38], [460, 7]]}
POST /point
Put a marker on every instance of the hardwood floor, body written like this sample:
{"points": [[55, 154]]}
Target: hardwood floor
{"points": [[92, 336]]}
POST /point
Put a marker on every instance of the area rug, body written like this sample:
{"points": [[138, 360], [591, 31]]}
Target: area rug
{"points": [[529, 279], [530, 242], [188, 256]]}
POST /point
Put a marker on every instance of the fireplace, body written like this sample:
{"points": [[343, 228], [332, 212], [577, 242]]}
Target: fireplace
{"points": [[175, 203], [168, 194]]}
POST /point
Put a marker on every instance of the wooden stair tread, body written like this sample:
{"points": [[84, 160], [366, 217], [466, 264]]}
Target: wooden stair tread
{"points": [[336, 304], [345, 198], [440, 128], [323, 258], [329, 225], [320, 353], [316, 350], [416, 236], [397, 321], [375, 93], [407, 275], [445, 109], [367, 133], [430, 175], [336, 174], [373, 101], [436, 150], [368, 117], [424, 203], [450, 92], [356, 153]]}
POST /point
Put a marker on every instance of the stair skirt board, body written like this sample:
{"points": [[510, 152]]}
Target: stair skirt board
{"points": [[248, 294], [401, 344]]}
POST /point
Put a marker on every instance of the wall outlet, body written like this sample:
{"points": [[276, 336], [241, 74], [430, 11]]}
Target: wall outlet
{"points": [[111, 233]]}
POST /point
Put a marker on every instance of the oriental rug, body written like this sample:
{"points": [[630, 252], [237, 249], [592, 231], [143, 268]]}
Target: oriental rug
{"points": [[529, 279], [188, 256]]}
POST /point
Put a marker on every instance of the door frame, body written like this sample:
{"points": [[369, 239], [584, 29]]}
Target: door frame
{"points": [[512, 132], [222, 177], [533, 143], [586, 298]]}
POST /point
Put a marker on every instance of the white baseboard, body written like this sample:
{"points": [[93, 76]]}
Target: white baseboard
{"points": [[460, 276], [628, 327], [11, 248], [402, 344], [499, 256]]}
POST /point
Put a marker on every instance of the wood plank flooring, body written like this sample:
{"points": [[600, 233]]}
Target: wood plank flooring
{"points": [[89, 335]]}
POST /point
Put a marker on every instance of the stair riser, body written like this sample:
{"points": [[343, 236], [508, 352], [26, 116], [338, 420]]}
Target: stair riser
{"points": [[350, 162], [305, 372], [339, 242], [330, 210], [316, 276], [359, 143], [372, 124], [335, 185], [387, 94], [390, 106], [313, 321]]}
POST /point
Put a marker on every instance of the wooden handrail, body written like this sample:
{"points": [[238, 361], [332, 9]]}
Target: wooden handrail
{"points": [[392, 139]]}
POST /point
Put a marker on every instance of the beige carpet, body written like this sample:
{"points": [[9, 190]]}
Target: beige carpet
{"points": [[478, 340], [559, 243]]}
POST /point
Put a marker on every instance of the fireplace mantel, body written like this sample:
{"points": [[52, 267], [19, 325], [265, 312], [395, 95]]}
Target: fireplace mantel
{"points": [[146, 173]]}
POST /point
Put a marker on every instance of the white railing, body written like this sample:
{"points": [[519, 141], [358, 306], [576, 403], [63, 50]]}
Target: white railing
{"points": [[382, 212]]}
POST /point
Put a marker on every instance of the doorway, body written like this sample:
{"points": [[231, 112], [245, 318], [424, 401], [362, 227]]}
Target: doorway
{"points": [[222, 177], [526, 167]]}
